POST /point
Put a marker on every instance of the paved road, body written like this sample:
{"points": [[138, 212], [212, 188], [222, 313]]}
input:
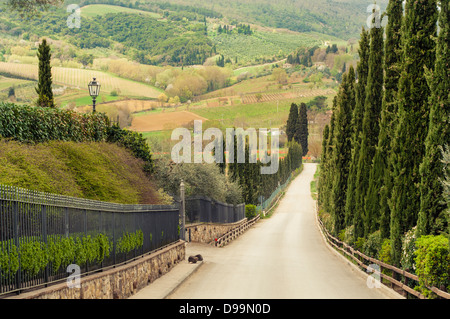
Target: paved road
{"points": [[282, 257]]}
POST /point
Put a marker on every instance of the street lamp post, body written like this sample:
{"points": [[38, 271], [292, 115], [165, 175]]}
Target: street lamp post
{"points": [[94, 90]]}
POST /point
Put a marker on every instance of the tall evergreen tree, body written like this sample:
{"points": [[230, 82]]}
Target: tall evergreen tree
{"points": [[323, 163], [44, 89], [380, 177], [292, 122], [432, 217], [370, 129], [342, 150], [328, 169], [362, 71], [408, 146], [301, 132]]}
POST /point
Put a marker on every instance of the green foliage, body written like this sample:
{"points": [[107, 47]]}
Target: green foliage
{"points": [[419, 53], [292, 121], [432, 216], [250, 211], [372, 245], [301, 128], [44, 89], [33, 255], [343, 150], [134, 141], [385, 252], [408, 250], [36, 124], [59, 251], [130, 241], [432, 263], [9, 259]]}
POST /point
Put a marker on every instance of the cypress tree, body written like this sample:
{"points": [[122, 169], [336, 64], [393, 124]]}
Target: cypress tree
{"points": [[44, 89], [432, 218], [362, 71], [328, 169], [301, 132], [379, 180], [408, 145], [370, 129], [323, 163], [342, 150], [292, 122]]}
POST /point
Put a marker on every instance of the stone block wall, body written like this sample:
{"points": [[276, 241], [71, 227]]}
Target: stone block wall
{"points": [[208, 232]]}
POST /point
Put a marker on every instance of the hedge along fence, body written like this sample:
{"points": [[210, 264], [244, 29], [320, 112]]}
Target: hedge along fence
{"points": [[433, 265], [37, 124], [30, 124], [41, 234]]}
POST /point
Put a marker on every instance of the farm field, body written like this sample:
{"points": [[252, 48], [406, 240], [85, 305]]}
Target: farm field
{"points": [[6, 83], [93, 10], [80, 78], [163, 121], [248, 48]]}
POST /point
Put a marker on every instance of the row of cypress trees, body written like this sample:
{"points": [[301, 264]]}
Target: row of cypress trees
{"points": [[381, 165], [297, 126], [255, 185]]}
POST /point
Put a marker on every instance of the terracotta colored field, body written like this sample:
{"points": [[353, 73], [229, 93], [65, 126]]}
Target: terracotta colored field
{"points": [[163, 121]]}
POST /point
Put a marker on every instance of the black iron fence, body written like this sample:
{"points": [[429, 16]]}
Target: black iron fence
{"points": [[42, 234], [201, 209]]}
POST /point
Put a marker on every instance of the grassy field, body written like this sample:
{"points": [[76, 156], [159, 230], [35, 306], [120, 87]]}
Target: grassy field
{"points": [[101, 9], [6, 83], [79, 78]]}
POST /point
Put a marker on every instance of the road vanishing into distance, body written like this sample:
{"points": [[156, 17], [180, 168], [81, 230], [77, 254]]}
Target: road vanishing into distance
{"points": [[281, 257]]}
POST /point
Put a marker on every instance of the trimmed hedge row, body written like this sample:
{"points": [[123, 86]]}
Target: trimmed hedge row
{"points": [[31, 124]]}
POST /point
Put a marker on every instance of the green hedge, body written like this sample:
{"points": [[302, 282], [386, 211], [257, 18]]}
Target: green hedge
{"points": [[432, 263], [250, 211], [37, 124]]}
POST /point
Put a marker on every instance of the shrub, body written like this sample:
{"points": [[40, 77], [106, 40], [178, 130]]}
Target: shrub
{"points": [[250, 211], [133, 141], [432, 263], [359, 243], [37, 124], [408, 248], [373, 244]]}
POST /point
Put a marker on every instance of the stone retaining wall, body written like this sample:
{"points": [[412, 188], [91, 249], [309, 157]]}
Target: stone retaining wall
{"points": [[116, 283], [208, 232]]}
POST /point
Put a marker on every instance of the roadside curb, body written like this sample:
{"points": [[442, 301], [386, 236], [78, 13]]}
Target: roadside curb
{"points": [[164, 286]]}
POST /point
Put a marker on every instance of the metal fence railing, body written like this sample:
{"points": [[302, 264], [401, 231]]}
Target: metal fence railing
{"points": [[41, 234], [201, 209], [268, 202]]}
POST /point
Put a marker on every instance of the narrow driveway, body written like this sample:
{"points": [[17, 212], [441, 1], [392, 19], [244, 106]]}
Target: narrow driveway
{"points": [[282, 257]]}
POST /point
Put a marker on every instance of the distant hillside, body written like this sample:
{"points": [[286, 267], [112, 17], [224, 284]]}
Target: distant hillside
{"points": [[341, 18], [96, 170]]}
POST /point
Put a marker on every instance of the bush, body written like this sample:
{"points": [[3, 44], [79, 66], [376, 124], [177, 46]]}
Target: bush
{"points": [[250, 211], [408, 248], [37, 124], [133, 141], [432, 263], [373, 244]]}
